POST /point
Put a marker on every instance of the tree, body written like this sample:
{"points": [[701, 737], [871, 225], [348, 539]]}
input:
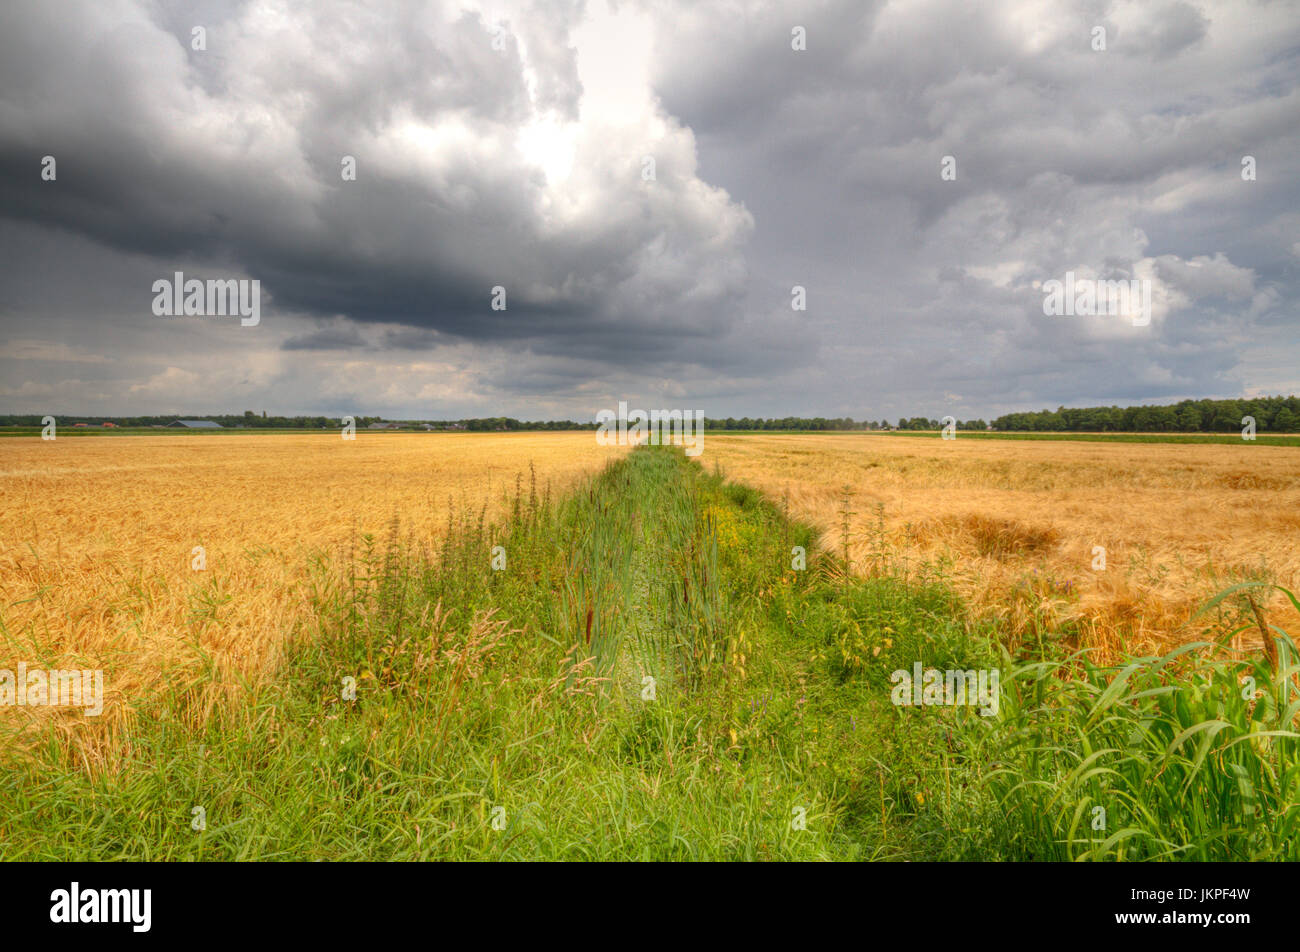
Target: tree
{"points": [[1286, 422]]}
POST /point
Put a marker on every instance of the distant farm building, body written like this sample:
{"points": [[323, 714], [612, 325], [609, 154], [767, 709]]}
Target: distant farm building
{"points": [[113, 425], [197, 424]]}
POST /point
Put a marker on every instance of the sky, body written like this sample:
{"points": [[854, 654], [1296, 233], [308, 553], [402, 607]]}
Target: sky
{"points": [[646, 184]]}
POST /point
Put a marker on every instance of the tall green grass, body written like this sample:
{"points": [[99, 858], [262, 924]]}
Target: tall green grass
{"points": [[1187, 756], [505, 714]]}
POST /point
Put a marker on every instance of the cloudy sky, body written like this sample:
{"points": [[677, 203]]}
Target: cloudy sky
{"points": [[647, 182]]}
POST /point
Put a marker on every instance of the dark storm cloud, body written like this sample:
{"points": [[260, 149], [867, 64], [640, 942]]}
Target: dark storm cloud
{"points": [[234, 154], [519, 164], [1122, 163], [327, 338]]}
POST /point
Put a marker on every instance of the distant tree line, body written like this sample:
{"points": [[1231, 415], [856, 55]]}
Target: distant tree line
{"points": [[783, 423], [262, 421], [1272, 414], [248, 419], [822, 423], [921, 423], [509, 423]]}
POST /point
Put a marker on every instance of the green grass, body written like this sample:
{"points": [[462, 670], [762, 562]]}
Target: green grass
{"points": [[505, 714]]}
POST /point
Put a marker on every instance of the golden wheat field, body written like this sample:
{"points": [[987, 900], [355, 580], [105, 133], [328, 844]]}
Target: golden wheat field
{"points": [[97, 535], [1014, 523]]}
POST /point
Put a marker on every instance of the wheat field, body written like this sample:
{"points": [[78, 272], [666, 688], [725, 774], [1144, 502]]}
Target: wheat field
{"points": [[1014, 523], [98, 537], [98, 534]]}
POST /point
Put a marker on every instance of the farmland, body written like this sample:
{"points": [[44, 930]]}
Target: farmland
{"points": [[1013, 523], [98, 535], [629, 665]]}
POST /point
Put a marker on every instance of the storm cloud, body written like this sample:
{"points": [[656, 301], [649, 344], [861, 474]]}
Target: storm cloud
{"points": [[646, 183]]}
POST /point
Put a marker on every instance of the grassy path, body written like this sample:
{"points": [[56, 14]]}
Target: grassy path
{"points": [[499, 714]]}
